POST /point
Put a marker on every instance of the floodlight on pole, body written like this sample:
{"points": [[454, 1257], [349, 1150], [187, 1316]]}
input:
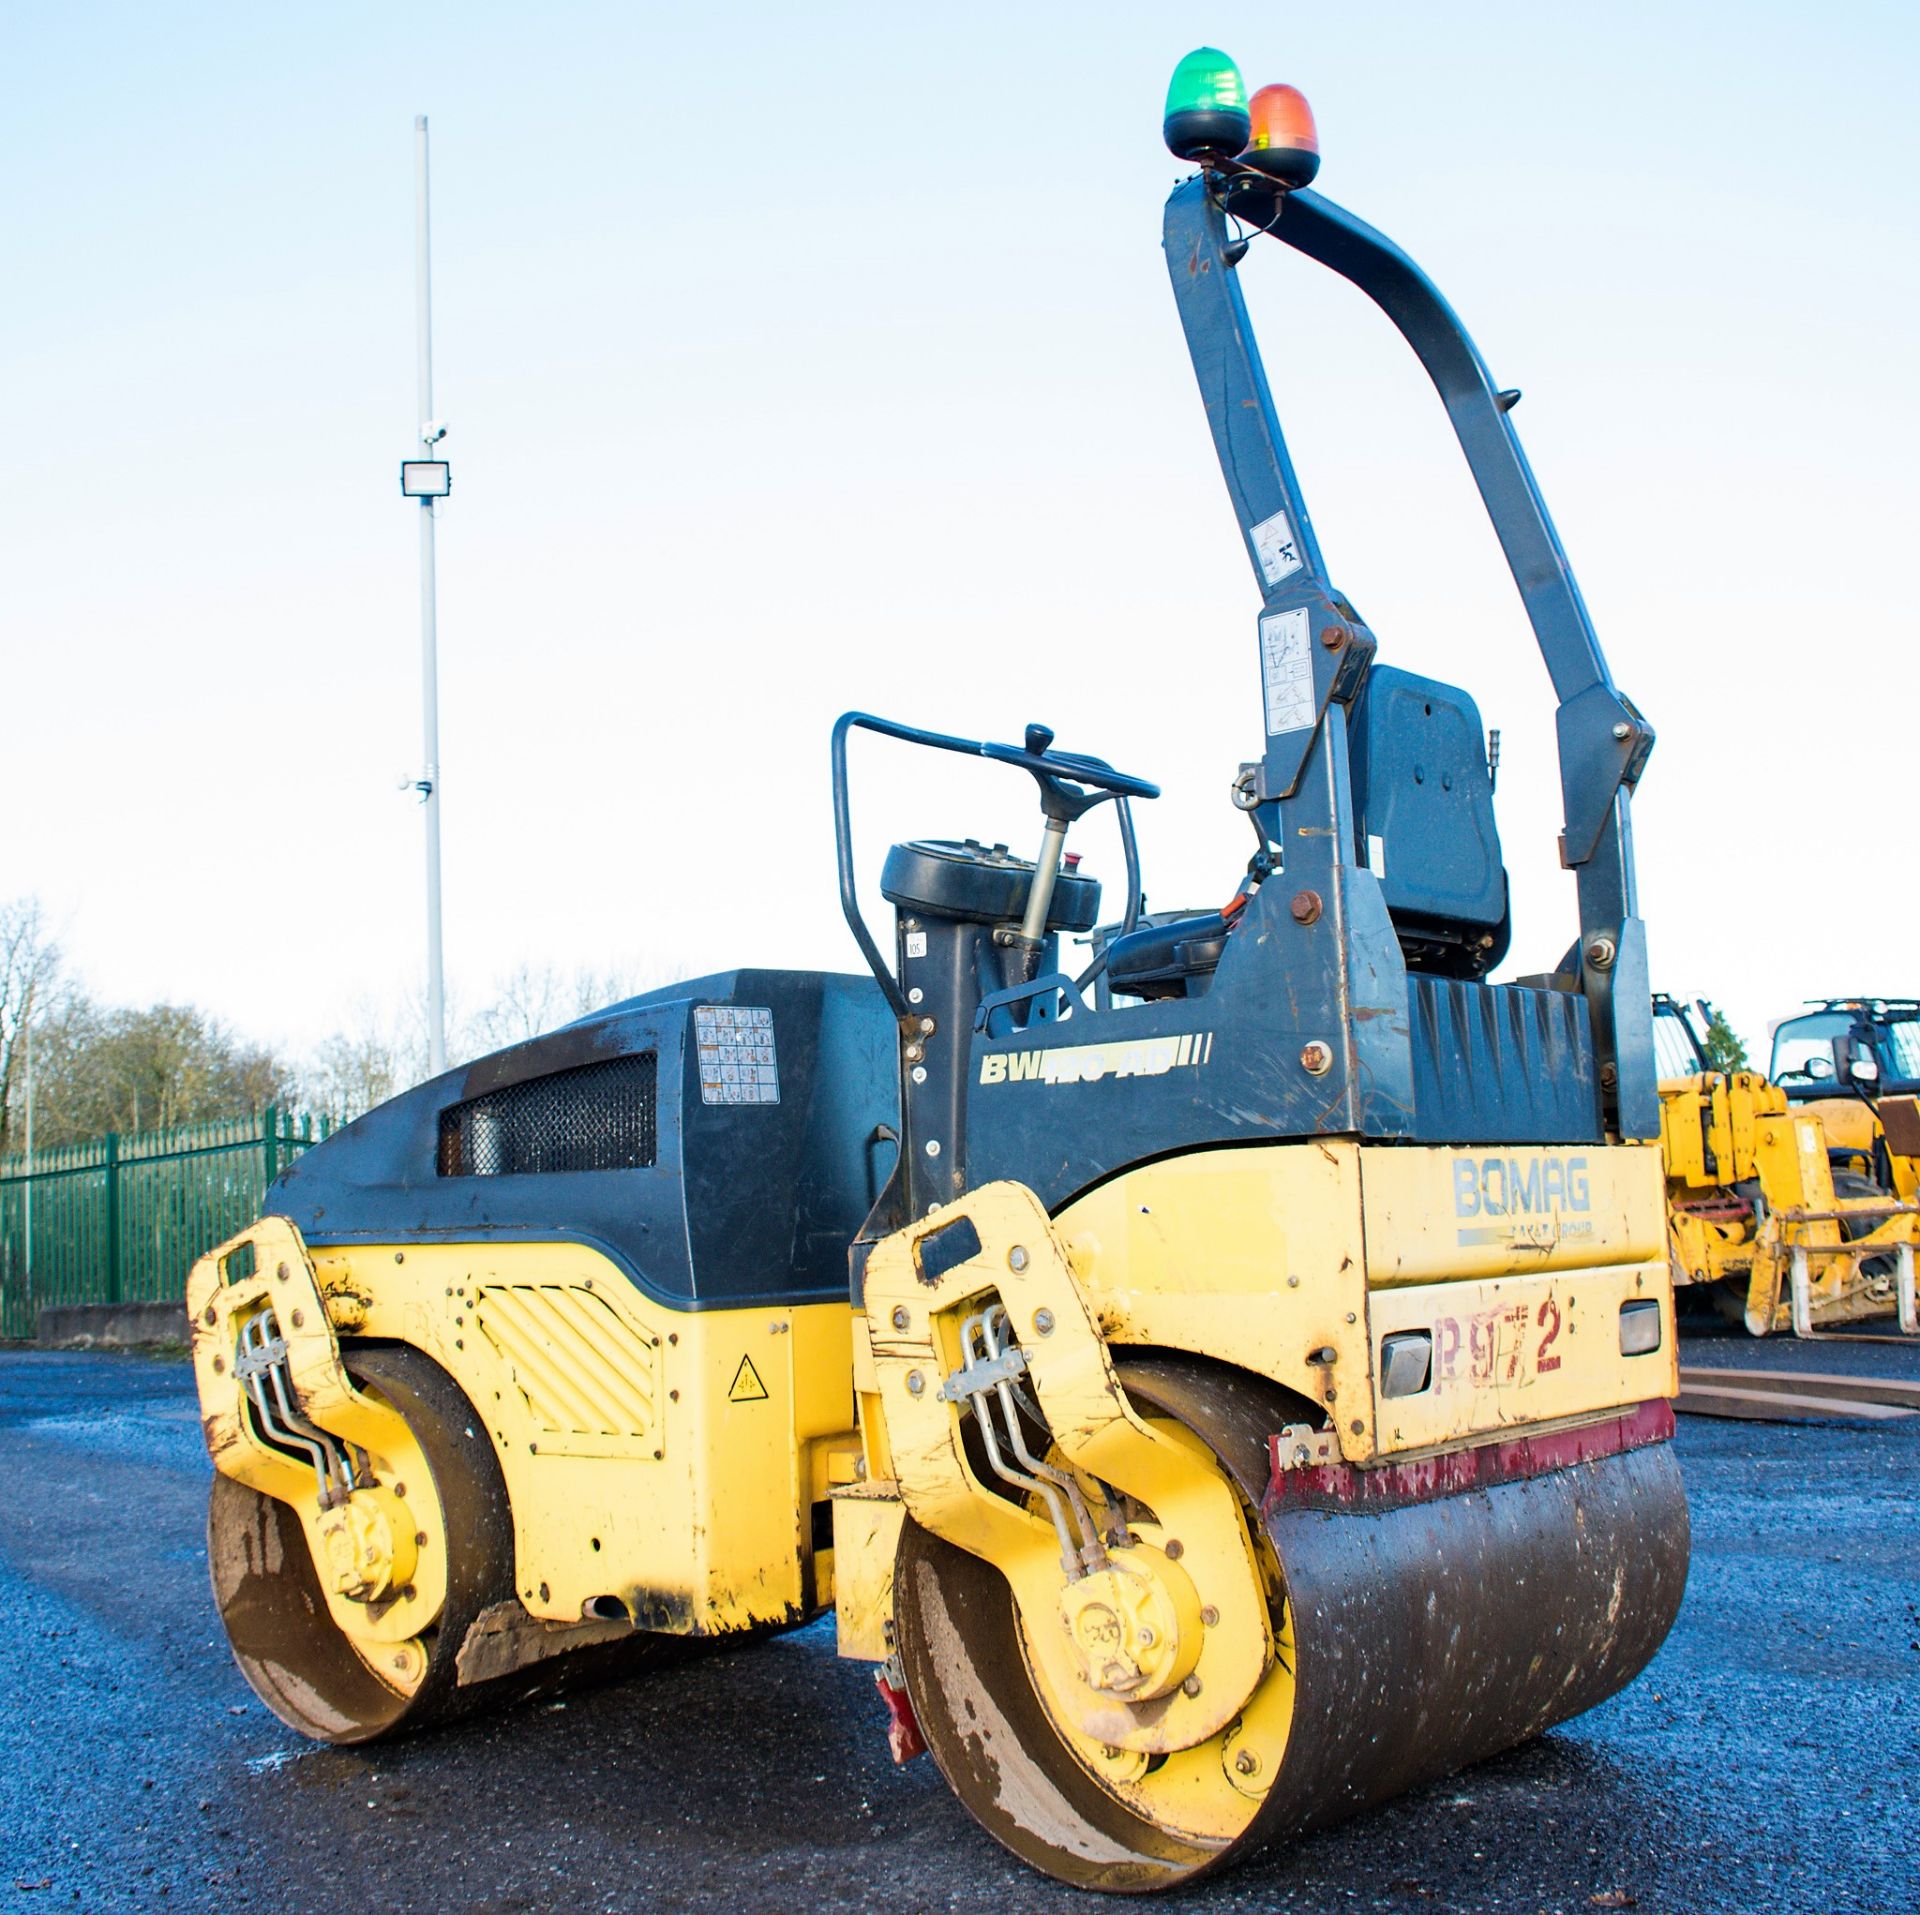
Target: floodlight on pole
{"points": [[426, 478]]}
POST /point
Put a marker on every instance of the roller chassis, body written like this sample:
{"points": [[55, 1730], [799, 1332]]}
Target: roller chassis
{"points": [[1163, 1637], [1246, 1401]]}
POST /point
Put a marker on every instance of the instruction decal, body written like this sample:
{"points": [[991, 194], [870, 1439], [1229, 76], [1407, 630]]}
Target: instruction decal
{"points": [[747, 1387], [737, 1060], [1277, 549], [1286, 672]]}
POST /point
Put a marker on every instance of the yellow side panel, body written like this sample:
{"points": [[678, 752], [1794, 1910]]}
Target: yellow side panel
{"points": [[1254, 1256], [1288, 1260], [588, 1373], [1440, 1215], [663, 1457], [1682, 1139], [1751, 1100], [1721, 1129], [1791, 1153], [822, 1360], [1522, 1350]]}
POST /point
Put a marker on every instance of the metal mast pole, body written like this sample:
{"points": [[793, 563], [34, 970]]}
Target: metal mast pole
{"points": [[429, 664], [26, 1189]]}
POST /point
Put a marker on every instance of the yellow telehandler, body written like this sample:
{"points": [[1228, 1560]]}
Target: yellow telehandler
{"points": [[1797, 1215]]}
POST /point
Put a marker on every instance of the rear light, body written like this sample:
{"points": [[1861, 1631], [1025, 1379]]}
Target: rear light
{"points": [[1406, 1362], [1640, 1327]]}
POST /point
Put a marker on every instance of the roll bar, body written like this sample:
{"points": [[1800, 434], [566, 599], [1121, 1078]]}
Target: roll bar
{"points": [[1603, 739]]}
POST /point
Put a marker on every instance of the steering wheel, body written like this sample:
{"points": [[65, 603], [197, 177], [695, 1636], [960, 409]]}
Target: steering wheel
{"points": [[1070, 786], [1052, 770]]}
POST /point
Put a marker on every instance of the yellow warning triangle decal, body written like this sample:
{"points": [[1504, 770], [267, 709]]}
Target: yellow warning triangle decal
{"points": [[747, 1387]]}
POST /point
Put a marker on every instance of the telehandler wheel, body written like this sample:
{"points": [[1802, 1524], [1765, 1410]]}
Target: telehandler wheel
{"points": [[1407, 1642], [1851, 1186], [313, 1674]]}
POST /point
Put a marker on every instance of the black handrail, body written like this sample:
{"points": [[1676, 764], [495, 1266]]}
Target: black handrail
{"points": [[1043, 765]]}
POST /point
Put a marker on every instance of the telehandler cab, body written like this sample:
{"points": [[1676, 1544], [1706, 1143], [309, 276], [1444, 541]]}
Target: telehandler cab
{"points": [[1253, 1396], [1855, 1063]]}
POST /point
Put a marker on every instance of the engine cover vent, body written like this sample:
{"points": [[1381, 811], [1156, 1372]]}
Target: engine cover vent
{"points": [[596, 1116]]}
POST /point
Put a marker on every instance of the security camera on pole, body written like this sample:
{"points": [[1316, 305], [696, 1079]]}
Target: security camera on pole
{"points": [[426, 478]]}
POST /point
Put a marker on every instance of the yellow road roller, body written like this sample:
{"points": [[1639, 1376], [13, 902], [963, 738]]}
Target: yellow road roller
{"points": [[1221, 1379]]}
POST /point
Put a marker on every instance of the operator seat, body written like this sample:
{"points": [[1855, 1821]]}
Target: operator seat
{"points": [[1423, 824], [1168, 957]]}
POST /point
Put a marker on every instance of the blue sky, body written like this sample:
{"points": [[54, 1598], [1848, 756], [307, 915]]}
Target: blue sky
{"points": [[805, 358]]}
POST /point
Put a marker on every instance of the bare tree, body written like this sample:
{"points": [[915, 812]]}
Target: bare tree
{"points": [[595, 988], [380, 1054], [351, 1072], [99, 1069], [535, 998], [529, 999], [30, 968]]}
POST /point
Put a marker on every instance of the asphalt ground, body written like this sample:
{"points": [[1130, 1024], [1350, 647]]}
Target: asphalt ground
{"points": [[1768, 1760]]}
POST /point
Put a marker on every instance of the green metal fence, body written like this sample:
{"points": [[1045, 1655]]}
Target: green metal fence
{"points": [[122, 1219]]}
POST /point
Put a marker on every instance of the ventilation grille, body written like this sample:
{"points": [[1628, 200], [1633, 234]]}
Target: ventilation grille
{"points": [[588, 1373], [594, 1117]]}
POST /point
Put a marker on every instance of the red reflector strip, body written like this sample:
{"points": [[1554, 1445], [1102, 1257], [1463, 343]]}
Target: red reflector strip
{"points": [[1391, 1485], [903, 1727]]}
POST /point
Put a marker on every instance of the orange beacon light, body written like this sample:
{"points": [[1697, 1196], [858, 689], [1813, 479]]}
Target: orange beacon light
{"points": [[1285, 144]]}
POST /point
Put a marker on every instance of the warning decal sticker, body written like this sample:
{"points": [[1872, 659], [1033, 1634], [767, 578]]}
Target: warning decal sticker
{"points": [[737, 1061], [1277, 549], [747, 1387], [1286, 672]]}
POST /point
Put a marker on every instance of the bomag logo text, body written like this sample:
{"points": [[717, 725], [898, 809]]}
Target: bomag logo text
{"points": [[1516, 1187], [1531, 1200]]}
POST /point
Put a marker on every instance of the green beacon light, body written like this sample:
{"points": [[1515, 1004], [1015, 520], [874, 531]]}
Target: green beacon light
{"points": [[1206, 108]]}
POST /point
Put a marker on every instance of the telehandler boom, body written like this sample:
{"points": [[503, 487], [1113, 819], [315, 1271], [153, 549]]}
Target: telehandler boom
{"points": [[1252, 1395]]}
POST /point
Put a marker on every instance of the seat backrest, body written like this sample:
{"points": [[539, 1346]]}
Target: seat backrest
{"points": [[1423, 804]]}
